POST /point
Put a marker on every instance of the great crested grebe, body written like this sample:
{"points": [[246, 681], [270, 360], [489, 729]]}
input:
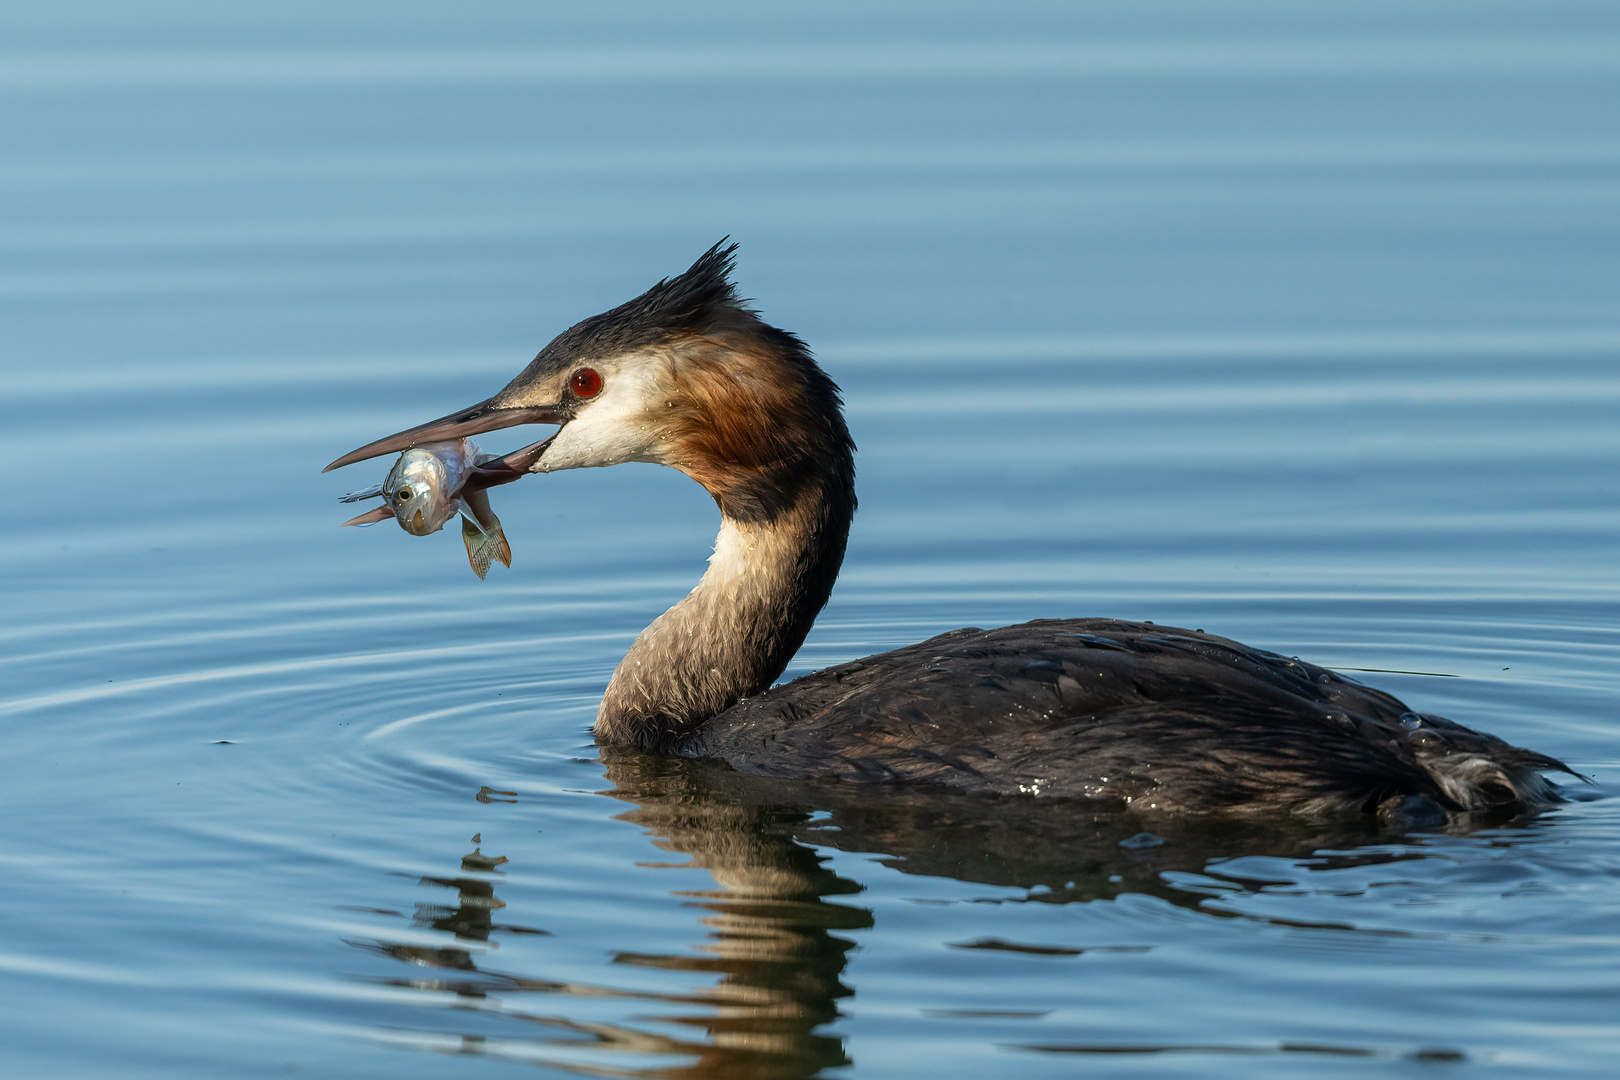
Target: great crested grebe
{"points": [[1127, 713]]}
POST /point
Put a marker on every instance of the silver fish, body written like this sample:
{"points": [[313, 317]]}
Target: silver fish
{"points": [[432, 483]]}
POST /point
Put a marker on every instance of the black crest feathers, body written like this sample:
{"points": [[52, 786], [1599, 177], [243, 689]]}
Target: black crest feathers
{"points": [[686, 303], [689, 301]]}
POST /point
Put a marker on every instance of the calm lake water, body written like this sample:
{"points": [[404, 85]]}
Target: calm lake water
{"points": [[1293, 322]]}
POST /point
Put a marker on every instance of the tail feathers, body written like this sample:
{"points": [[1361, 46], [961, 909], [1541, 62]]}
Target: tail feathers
{"points": [[1477, 771], [1476, 781]]}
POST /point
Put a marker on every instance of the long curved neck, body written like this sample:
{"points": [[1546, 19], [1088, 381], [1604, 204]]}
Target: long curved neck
{"points": [[733, 634]]}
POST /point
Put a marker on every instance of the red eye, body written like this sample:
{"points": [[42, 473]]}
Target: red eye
{"points": [[585, 383]]}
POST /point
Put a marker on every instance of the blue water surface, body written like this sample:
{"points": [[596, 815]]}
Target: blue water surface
{"points": [[1295, 322]]}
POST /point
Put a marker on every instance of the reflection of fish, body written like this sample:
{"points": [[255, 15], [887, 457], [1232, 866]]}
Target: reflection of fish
{"points": [[429, 485]]}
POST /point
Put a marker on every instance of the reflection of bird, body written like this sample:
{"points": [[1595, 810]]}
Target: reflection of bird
{"points": [[769, 968], [685, 375]]}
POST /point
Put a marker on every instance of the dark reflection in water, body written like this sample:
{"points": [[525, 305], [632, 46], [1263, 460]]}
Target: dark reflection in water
{"points": [[772, 944], [471, 919], [1058, 852], [776, 939]]}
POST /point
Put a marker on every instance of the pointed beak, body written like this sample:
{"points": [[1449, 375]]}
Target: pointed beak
{"points": [[485, 416], [504, 470]]}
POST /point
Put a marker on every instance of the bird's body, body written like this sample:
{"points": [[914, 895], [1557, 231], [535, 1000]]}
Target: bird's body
{"points": [[1118, 712], [1151, 717]]}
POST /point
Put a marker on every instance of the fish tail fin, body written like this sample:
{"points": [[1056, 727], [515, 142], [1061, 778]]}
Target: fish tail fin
{"points": [[482, 533], [479, 549], [503, 550]]}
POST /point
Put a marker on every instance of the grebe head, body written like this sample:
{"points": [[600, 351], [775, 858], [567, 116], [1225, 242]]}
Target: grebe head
{"points": [[684, 375]]}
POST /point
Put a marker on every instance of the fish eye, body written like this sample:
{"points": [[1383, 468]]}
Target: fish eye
{"points": [[585, 383], [404, 494]]}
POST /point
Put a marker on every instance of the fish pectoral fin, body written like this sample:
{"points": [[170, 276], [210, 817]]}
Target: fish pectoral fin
{"points": [[364, 493], [371, 517]]}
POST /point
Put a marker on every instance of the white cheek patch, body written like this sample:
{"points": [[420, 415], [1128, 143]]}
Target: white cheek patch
{"points": [[615, 428]]}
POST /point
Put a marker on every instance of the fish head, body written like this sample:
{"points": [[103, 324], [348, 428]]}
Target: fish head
{"points": [[424, 486]]}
